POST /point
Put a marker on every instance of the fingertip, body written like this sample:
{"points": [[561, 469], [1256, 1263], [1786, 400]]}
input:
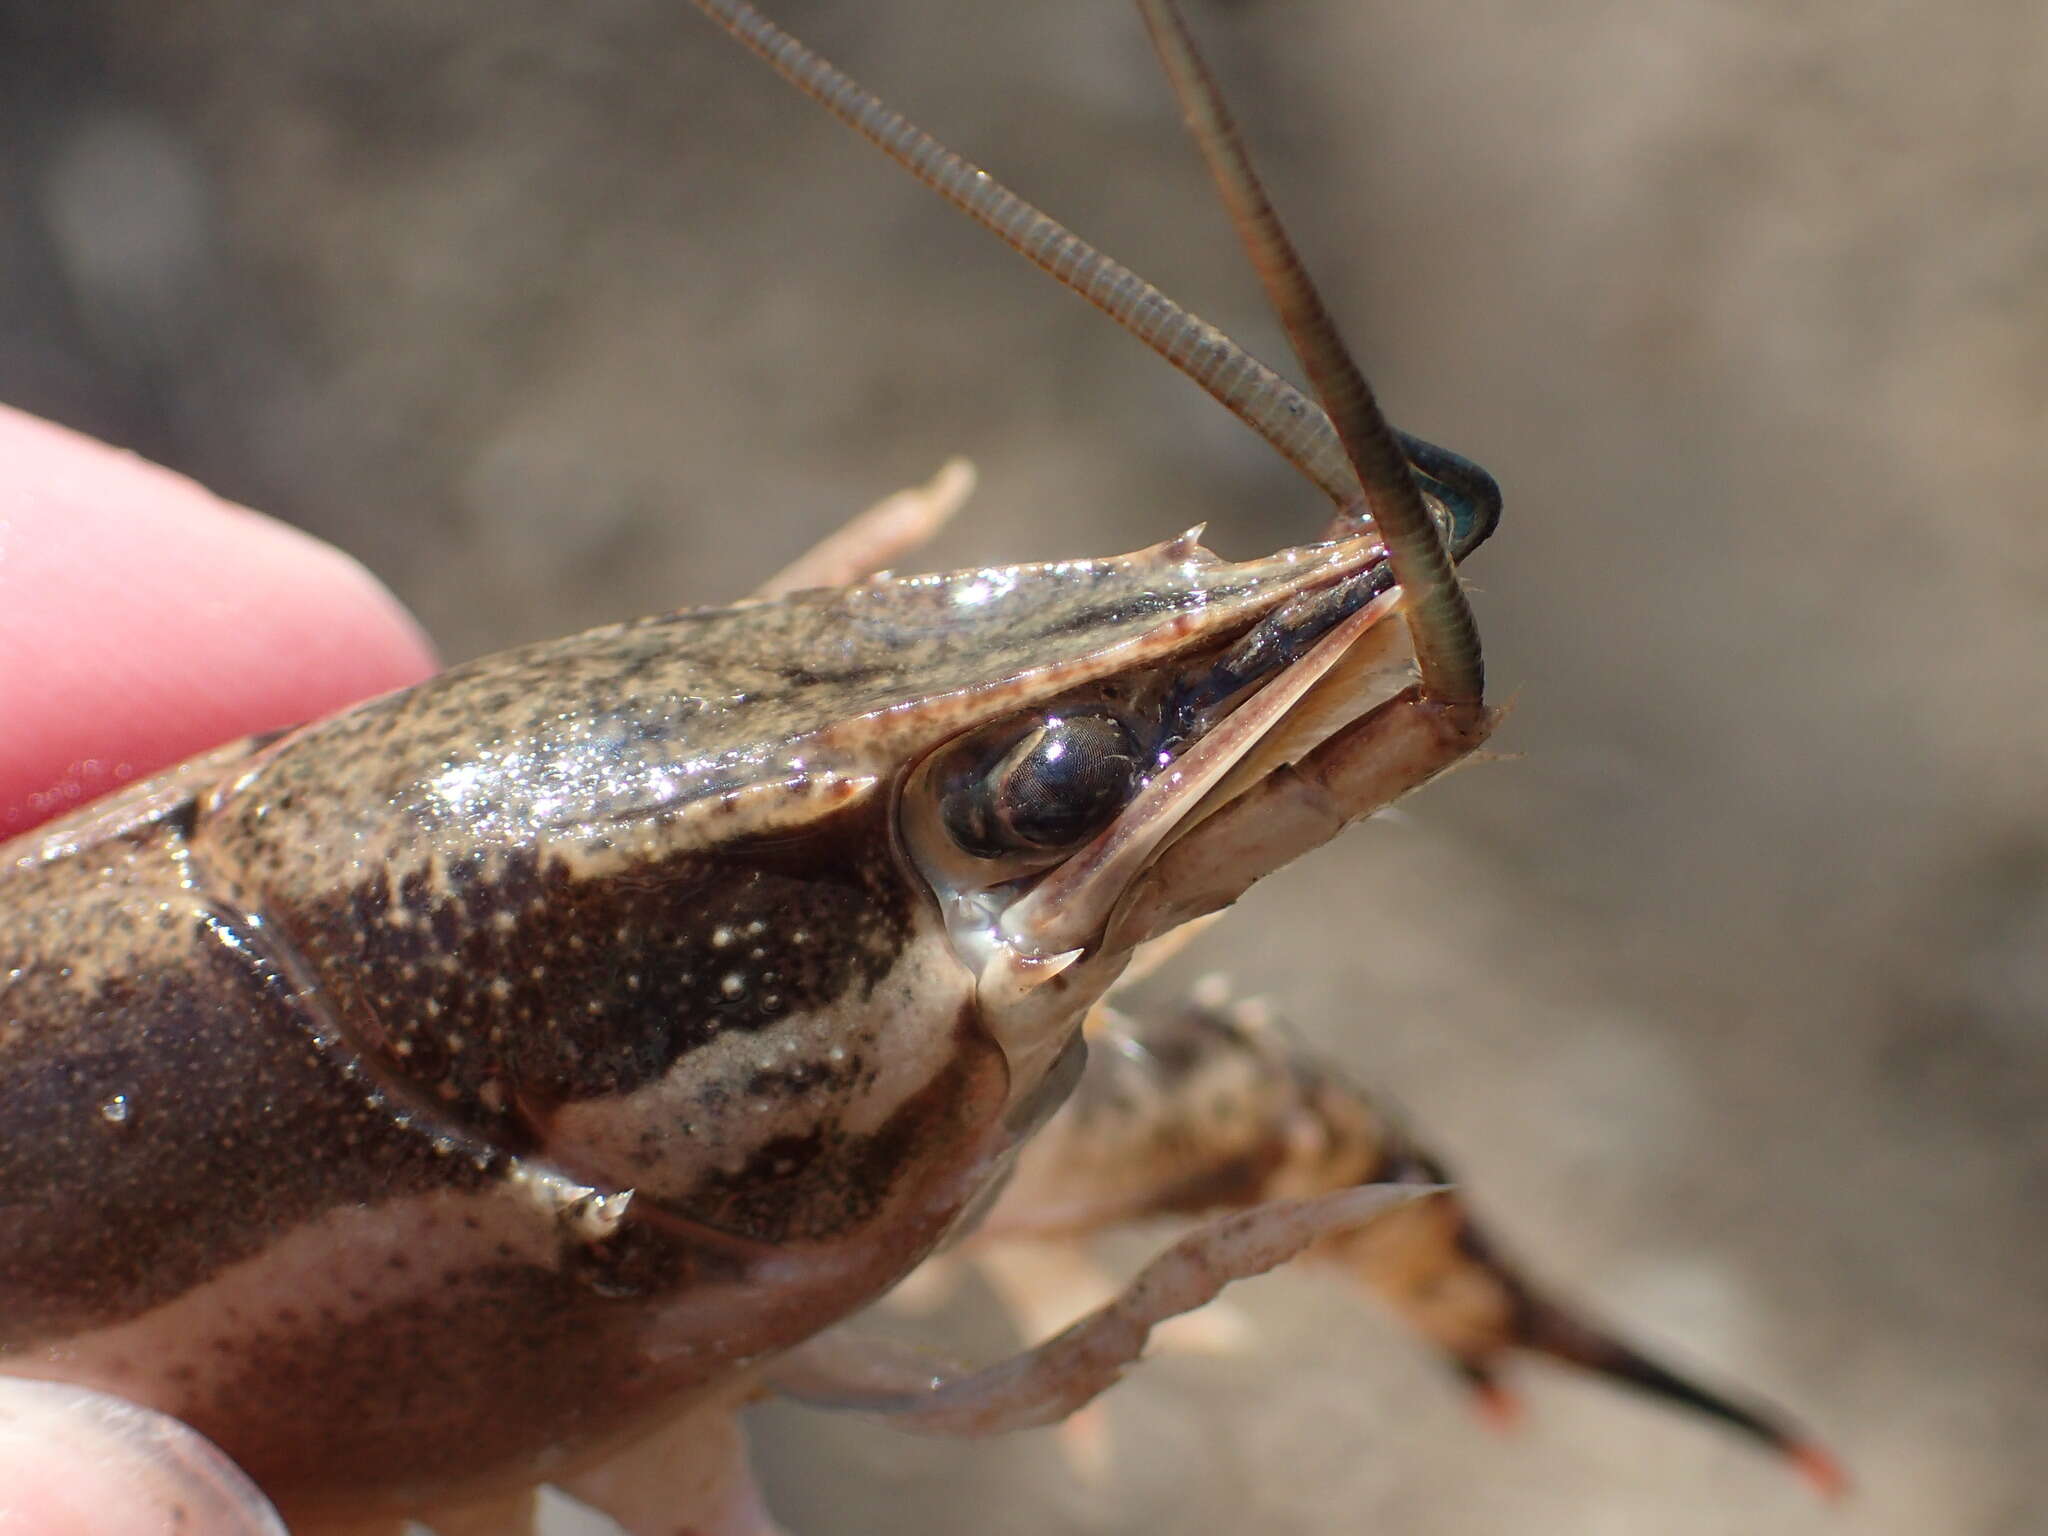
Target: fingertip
{"points": [[80, 1463], [147, 619]]}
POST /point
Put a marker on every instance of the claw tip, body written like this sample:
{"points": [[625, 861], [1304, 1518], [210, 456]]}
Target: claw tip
{"points": [[1499, 1409], [1818, 1466]]}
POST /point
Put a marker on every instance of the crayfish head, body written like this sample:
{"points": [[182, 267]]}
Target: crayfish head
{"points": [[1063, 834]]}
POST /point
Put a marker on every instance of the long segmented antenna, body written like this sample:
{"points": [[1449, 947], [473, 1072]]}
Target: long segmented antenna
{"points": [[1292, 423], [1258, 396], [1446, 638]]}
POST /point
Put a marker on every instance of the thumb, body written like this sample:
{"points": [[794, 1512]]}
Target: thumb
{"points": [[79, 1463]]}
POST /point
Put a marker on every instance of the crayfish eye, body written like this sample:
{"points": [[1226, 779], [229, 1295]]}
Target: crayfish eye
{"points": [[1063, 782]]}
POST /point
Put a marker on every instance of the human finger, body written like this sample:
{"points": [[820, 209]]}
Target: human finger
{"points": [[143, 619], [80, 1463]]}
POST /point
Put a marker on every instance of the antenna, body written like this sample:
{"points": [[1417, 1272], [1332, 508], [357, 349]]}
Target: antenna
{"points": [[1446, 638], [1447, 645]]}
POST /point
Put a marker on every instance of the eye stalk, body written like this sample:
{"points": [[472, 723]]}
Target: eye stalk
{"points": [[1062, 782]]}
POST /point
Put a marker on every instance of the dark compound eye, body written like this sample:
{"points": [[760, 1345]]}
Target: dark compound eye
{"points": [[1061, 784]]}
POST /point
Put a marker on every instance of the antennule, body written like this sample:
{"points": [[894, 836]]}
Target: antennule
{"points": [[1446, 638]]}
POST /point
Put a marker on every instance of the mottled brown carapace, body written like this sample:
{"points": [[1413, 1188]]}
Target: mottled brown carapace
{"points": [[479, 1072]]}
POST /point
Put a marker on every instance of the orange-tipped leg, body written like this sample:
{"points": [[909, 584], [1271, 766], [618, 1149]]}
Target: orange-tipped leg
{"points": [[1542, 1327]]}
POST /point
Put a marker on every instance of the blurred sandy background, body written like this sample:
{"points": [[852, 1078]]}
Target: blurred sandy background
{"points": [[1727, 995]]}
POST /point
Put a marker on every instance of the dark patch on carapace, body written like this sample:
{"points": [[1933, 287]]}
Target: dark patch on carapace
{"points": [[175, 1112], [503, 987], [821, 1184]]}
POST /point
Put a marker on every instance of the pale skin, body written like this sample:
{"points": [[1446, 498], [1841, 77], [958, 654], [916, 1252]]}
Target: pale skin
{"points": [[147, 619]]}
